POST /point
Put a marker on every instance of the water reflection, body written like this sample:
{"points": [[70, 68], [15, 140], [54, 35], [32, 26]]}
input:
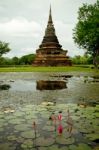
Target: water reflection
{"points": [[23, 85], [50, 85], [4, 87]]}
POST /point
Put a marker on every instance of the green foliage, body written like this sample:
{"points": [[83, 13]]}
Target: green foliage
{"points": [[82, 60], [15, 61], [27, 59], [4, 48], [2, 61], [24, 60], [86, 32]]}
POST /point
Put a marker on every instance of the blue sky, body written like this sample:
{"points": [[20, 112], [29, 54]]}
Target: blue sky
{"points": [[23, 23]]}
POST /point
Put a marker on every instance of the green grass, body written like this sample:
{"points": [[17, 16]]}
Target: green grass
{"points": [[47, 69]]}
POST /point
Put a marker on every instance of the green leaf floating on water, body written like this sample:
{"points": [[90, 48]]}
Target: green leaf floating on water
{"points": [[72, 147], [30, 134], [45, 114], [10, 117], [1, 113], [30, 116], [93, 136], [2, 124], [37, 121], [97, 114], [83, 146], [11, 138], [6, 146], [27, 144], [55, 147], [16, 121], [41, 141], [22, 127], [86, 130], [19, 114], [2, 121], [1, 129], [49, 128], [62, 140], [1, 116]]}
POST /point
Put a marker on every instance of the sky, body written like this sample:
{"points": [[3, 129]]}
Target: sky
{"points": [[23, 23]]}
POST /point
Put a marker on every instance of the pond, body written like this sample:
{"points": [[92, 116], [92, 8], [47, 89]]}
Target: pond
{"points": [[49, 111]]}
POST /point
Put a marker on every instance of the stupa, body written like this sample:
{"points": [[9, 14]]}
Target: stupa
{"points": [[50, 52]]}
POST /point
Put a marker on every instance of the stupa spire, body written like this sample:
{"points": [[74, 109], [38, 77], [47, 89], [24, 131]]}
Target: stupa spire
{"points": [[50, 16]]}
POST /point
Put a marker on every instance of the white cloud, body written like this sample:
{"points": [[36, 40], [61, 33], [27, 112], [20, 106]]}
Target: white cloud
{"points": [[64, 30], [20, 28]]}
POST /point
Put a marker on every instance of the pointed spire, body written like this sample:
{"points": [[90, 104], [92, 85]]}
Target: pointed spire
{"points": [[50, 35], [50, 16]]}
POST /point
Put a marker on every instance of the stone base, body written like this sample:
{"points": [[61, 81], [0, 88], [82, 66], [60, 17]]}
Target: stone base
{"points": [[52, 63]]}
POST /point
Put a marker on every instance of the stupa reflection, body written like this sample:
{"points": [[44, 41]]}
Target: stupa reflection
{"points": [[50, 85]]}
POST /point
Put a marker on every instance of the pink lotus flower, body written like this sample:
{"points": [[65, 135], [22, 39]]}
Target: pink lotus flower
{"points": [[60, 129], [60, 117]]}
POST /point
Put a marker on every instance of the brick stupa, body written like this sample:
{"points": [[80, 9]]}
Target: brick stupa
{"points": [[50, 52]]}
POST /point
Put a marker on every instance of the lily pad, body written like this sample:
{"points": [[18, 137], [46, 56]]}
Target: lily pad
{"points": [[30, 134], [97, 114], [11, 138], [49, 128], [1, 124], [20, 139], [37, 121], [2, 121], [27, 144], [10, 117], [86, 130], [72, 147], [6, 146], [83, 146], [1, 129], [1, 113], [45, 114], [22, 127], [93, 136], [41, 141], [62, 140], [55, 147], [19, 114], [16, 121], [1, 116], [31, 116]]}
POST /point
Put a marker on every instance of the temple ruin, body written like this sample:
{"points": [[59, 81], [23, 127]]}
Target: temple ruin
{"points": [[50, 52]]}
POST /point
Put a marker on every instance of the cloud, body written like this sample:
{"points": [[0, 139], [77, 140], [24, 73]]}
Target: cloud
{"points": [[22, 24], [64, 31], [20, 28]]}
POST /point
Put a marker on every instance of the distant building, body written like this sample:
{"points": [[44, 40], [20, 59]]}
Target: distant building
{"points": [[50, 52]]}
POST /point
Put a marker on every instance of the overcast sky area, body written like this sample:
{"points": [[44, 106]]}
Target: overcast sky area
{"points": [[23, 23]]}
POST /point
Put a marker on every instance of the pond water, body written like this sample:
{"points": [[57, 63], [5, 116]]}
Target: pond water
{"points": [[34, 88], [35, 107]]}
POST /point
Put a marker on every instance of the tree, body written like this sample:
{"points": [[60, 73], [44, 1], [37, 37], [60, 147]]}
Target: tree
{"points": [[86, 32], [82, 60], [27, 59], [4, 48], [15, 61]]}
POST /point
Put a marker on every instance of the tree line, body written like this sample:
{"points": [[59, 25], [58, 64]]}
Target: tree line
{"points": [[24, 60]]}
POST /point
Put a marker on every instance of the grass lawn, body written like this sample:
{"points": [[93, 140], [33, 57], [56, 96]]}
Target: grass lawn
{"points": [[47, 69]]}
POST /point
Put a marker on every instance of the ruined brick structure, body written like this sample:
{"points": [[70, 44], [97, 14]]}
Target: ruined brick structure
{"points": [[50, 52]]}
